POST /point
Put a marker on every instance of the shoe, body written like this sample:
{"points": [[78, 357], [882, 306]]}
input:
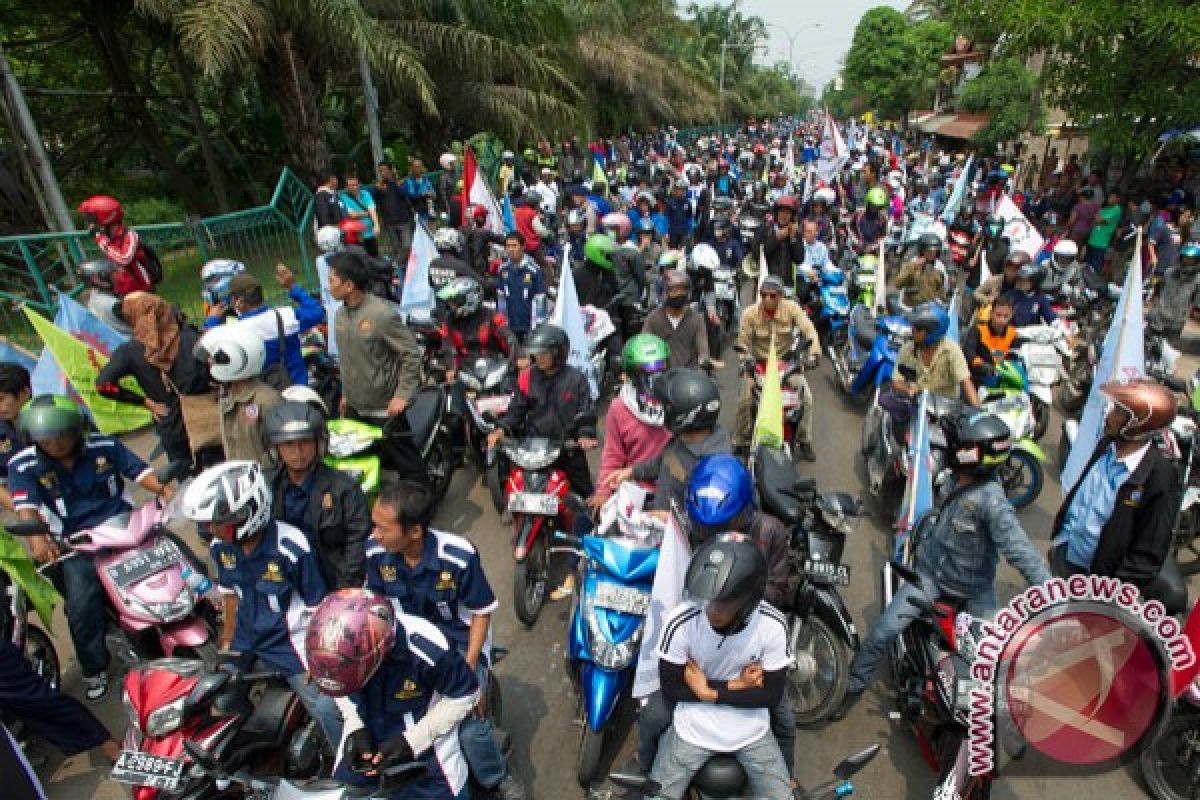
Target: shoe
{"points": [[510, 789], [96, 687], [804, 452], [848, 703], [566, 590]]}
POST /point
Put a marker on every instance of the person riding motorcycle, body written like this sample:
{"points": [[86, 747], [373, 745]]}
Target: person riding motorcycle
{"points": [[1178, 294], [1030, 305], [629, 266], [727, 242], [973, 524], [597, 285], [1004, 283], [993, 247], [932, 362], [137, 265], [871, 223], [989, 342], [782, 244], [678, 324], [449, 263], [820, 211], [923, 278]]}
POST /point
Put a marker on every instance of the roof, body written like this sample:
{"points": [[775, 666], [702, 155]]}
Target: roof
{"points": [[961, 125]]}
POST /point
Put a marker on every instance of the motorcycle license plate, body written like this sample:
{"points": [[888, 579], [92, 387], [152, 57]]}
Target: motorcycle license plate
{"points": [[493, 404], [141, 769], [725, 291], [533, 503], [791, 398], [144, 564], [622, 598], [828, 572]]}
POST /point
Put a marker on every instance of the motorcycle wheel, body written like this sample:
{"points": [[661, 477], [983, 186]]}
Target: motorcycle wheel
{"points": [[1041, 417], [42, 656], [1167, 765], [495, 700], [491, 476], [441, 468], [591, 747], [1022, 477], [817, 684], [529, 579]]}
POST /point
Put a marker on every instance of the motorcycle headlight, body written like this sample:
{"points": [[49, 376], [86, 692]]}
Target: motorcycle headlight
{"points": [[1043, 376], [178, 608], [166, 719], [607, 654], [536, 460]]}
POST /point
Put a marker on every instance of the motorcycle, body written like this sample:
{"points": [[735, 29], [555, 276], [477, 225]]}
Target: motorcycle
{"points": [[862, 279], [1022, 474], [1170, 767], [821, 632], [831, 311], [886, 449], [487, 384], [607, 618], [26, 636], [598, 324], [791, 373], [1042, 349], [868, 356]]}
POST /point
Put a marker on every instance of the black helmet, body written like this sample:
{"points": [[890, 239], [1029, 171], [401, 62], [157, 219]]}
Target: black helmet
{"points": [[722, 228], [1035, 273], [929, 241], [979, 442], [646, 225], [691, 400], [549, 339], [516, 189], [728, 569], [294, 422]]}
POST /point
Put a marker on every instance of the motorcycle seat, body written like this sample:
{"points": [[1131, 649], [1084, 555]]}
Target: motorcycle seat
{"points": [[1169, 588], [423, 413], [721, 776], [864, 327], [777, 485]]}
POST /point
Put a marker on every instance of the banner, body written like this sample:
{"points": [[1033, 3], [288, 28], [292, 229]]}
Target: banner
{"points": [[418, 294], [81, 363], [476, 192], [833, 152], [506, 214], [1021, 234], [665, 595], [918, 489], [12, 354], [768, 426], [953, 334], [569, 316], [1123, 358], [86, 326], [959, 192]]}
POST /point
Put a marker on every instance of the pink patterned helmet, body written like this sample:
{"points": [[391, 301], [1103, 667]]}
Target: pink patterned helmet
{"points": [[350, 633]]}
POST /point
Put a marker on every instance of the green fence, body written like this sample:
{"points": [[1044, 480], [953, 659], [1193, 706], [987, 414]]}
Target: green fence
{"points": [[33, 266]]}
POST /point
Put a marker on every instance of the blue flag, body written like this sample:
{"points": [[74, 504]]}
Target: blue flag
{"points": [[918, 490], [417, 295], [11, 354], [510, 223], [86, 326], [953, 334], [960, 191]]}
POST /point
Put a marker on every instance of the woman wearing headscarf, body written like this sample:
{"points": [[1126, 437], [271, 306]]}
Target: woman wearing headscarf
{"points": [[159, 357]]}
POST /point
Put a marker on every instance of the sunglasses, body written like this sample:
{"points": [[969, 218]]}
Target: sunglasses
{"points": [[768, 295]]}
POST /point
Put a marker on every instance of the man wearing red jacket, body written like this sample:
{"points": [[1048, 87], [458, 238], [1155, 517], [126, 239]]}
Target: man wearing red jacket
{"points": [[120, 245], [527, 216]]}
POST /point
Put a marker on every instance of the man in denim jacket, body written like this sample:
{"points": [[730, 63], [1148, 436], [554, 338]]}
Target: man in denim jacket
{"points": [[961, 545]]}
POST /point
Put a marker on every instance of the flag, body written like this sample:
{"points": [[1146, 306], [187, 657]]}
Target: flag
{"points": [[959, 193], [953, 334], [918, 490], [808, 184], [833, 152], [1123, 358], [418, 294], [880, 281], [331, 305], [16, 563], [80, 363], [598, 175], [510, 222], [665, 595], [985, 272], [789, 161], [47, 377], [762, 268], [12, 354], [1020, 233], [477, 193], [768, 427], [569, 316], [851, 136], [86, 326]]}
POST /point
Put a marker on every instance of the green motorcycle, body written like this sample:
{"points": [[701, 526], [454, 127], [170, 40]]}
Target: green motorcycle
{"points": [[1007, 396]]}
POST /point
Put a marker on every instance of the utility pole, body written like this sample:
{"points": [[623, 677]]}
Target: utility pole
{"points": [[27, 130], [721, 84], [372, 103]]}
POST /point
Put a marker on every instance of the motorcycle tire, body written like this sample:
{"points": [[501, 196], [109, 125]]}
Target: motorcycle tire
{"points": [[530, 577], [817, 689], [591, 748], [440, 464], [1041, 417], [1166, 765], [491, 476], [1022, 470], [42, 655]]}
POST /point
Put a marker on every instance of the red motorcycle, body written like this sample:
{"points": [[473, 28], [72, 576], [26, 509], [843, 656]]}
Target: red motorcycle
{"points": [[792, 366], [172, 701]]}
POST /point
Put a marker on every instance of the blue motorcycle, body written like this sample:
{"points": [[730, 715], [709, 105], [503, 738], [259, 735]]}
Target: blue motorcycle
{"points": [[832, 310], [868, 355], [606, 630]]}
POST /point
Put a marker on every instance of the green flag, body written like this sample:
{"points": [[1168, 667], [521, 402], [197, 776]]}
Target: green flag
{"points": [[20, 567]]}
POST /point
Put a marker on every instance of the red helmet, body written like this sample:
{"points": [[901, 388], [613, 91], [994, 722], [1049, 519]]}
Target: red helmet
{"points": [[760, 148], [352, 231], [349, 635], [723, 163], [479, 212], [102, 210]]}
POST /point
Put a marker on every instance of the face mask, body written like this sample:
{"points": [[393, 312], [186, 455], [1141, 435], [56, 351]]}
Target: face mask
{"points": [[678, 301]]}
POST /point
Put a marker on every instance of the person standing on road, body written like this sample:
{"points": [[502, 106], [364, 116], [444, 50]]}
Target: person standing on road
{"points": [[360, 205], [397, 211]]}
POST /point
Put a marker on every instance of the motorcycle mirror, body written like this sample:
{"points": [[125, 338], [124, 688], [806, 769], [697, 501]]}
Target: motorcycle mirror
{"points": [[855, 763], [206, 760], [27, 527]]}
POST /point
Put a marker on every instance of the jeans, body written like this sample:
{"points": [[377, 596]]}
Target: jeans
{"points": [[45, 711], [1095, 258], [322, 708], [86, 616], [476, 736], [678, 761], [654, 719]]}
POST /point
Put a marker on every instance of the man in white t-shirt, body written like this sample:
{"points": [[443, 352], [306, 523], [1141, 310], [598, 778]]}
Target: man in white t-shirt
{"points": [[723, 661]]}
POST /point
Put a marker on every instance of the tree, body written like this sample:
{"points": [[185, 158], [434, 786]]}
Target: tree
{"points": [[1004, 90], [893, 63]]}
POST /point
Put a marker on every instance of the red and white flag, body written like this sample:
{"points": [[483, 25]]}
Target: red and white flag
{"points": [[477, 193]]}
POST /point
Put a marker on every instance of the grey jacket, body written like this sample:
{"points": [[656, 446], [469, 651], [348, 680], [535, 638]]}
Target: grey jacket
{"points": [[673, 466], [972, 529], [380, 358]]}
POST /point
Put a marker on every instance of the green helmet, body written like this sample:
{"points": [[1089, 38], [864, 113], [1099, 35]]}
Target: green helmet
{"points": [[599, 249], [644, 360], [876, 196], [50, 415]]}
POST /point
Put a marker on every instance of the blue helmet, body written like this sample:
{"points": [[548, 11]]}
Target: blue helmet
{"points": [[933, 319], [720, 488]]}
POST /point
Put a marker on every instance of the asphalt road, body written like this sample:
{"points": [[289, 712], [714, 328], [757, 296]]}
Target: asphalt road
{"points": [[539, 707]]}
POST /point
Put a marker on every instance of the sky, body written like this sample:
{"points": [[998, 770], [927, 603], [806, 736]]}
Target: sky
{"points": [[817, 50]]}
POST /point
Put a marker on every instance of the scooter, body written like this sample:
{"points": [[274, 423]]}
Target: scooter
{"points": [[607, 619], [1010, 399], [868, 355], [487, 384], [832, 307], [1042, 349]]}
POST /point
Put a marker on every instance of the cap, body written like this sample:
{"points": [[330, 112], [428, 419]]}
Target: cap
{"points": [[243, 284], [772, 283]]}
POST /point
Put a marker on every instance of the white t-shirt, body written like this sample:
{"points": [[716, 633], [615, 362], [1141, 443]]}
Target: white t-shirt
{"points": [[687, 634]]}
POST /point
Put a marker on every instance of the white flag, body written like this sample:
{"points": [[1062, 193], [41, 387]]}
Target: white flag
{"points": [[331, 305], [833, 152], [665, 595], [1020, 233], [481, 195], [985, 272], [762, 268], [1123, 358], [569, 316], [418, 294]]}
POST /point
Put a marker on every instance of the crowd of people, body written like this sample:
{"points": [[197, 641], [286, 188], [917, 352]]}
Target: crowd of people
{"points": [[381, 621]]}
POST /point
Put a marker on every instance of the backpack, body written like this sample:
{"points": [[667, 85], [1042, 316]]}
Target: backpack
{"points": [[151, 263]]}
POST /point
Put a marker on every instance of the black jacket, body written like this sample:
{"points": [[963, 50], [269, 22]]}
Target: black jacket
{"points": [[337, 523], [1136, 540], [782, 256], [479, 242], [595, 286], [547, 405]]}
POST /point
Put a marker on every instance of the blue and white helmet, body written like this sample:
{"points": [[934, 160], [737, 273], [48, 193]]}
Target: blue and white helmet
{"points": [[215, 277]]}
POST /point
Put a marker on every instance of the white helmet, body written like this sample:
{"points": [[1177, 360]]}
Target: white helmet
{"points": [[306, 395], [825, 195], [329, 238], [233, 352], [232, 500], [448, 239], [1066, 248], [704, 256], [448, 160], [508, 155]]}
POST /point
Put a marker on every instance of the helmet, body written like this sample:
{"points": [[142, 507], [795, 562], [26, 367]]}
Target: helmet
{"points": [[1019, 258], [448, 240], [599, 248], [305, 394], [931, 318], [690, 398], [877, 197], [1035, 273], [352, 231], [993, 226], [787, 201], [669, 259], [102, 210], [349, 635], [50, 415], [1065, 252], [646, 225], [217, 273], [722, 228], [232, 500], [462, 296], [549, 338], [719, 489], [533, 198], [480, 213], [979, 442], [329, 238], [704, 256], [676, 279], [927, 242], [508, 155], [617, 224], [233, 353], [98, 272], [1189, 255], [516, 189], [294, 422], [1150, 405], [825, 196], [644, 359], [647, 197], [447, 160], [729, 569]]}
